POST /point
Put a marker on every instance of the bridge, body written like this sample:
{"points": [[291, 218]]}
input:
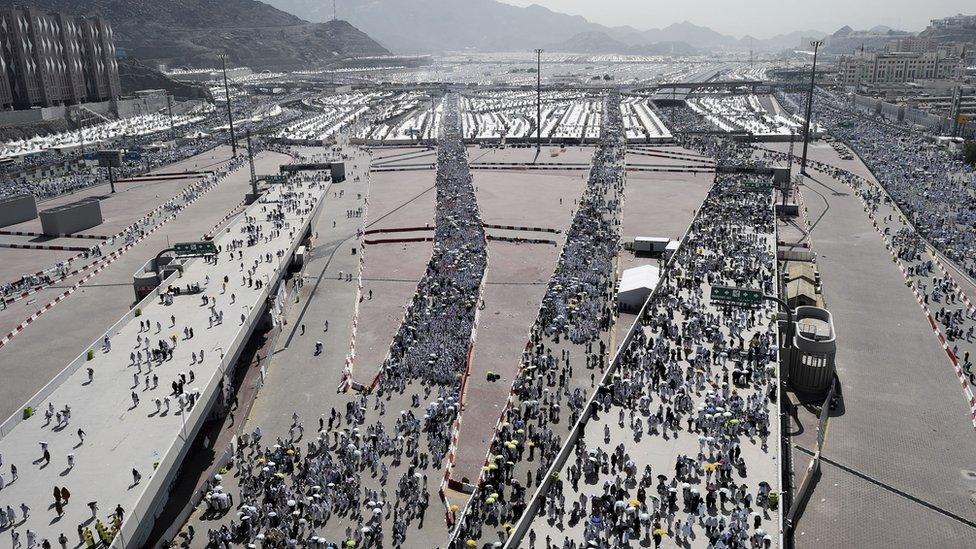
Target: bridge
{"points": [[134, 423]]}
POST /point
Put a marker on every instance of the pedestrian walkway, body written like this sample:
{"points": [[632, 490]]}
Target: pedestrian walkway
{"points": [[565, 355], [682, 448], [114, 425]]}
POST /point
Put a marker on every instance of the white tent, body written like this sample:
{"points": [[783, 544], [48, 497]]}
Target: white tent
{"points": [[636, 286]]}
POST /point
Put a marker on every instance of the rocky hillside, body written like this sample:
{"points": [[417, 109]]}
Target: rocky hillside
{"points": [[195, 32], [135, 75]]}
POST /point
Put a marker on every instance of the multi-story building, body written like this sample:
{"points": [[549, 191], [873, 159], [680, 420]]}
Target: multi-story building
{"points": [[913, 44], [53, 59], [101, 68], [898, 67]]}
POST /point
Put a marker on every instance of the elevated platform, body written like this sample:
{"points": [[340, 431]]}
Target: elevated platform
{"points": [[121, 433]]}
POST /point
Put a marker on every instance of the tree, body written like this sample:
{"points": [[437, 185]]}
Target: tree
{"points": [[969, 152]]}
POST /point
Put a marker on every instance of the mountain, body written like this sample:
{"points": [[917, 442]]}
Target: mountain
{"points": [[842, 32], [596, 42], [792, 40], [700, 37], [195, 32], [590, 42], [422, 26], [961, 33], [426, 26], [846, 40]]}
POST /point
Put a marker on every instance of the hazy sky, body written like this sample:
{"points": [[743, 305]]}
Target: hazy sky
{"points": [[761, 18]]}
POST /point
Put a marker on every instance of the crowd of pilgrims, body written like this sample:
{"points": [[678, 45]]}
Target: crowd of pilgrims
{"points": [[576, 298], [694, 371], [936, 190], [547, 395], [684, 119], [83, 176], [432, 341], [347, 474]]}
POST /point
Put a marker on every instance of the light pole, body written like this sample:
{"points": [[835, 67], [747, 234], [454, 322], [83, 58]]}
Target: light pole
{"points": [[250, 160], [806, 123], [538, 100], [230, 116], [169, 106]]}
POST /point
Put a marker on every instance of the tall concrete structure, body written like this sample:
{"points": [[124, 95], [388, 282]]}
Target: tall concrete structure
{"points": [[51, 59], [898, 67]]}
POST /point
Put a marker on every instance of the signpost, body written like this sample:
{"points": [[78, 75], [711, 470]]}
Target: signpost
{"points": [[745, 297], [736, 296], [758, 186], [276, 179], [194, 248], [110, 159]]}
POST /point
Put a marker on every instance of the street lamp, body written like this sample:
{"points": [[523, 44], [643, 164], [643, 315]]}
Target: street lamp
{"points": [[230, 116], [806, 123], [538, 101]]}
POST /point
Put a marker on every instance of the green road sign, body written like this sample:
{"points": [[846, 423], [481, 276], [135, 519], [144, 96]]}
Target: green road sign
{"points": [[276, 179], [736, 296], [758, 186], [195, 248]]}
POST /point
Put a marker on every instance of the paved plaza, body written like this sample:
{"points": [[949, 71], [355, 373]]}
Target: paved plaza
{"points": [[899, 390]]}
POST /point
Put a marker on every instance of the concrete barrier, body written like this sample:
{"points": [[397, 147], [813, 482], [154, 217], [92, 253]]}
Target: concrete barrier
{"points": [[17, 209]]}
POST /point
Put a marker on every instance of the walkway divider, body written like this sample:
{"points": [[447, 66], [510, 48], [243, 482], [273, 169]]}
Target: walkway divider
{"points": [[45, 247], [76, 235]]}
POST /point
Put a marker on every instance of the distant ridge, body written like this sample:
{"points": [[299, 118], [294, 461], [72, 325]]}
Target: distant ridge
{"points": [[595, 42], [425, 26]]}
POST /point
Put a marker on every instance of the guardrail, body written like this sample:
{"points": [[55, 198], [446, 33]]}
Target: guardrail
{"points": [[802, 494]]}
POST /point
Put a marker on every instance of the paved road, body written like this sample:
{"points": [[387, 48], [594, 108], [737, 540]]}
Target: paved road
{"points": [[900, 452]]}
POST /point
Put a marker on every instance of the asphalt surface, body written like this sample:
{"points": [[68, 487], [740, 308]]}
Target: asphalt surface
{"points": [[899, 451]]}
